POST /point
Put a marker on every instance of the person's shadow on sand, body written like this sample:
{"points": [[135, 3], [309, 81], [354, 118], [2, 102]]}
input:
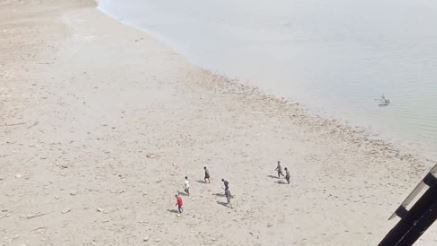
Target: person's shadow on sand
{"points": [[173, 211], [281, 182], [182, 193], [200, 181], [272, 176], [219, 194], [223, 204]]}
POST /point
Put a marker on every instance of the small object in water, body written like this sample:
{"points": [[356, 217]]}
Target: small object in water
{"points": [[383, 101]]}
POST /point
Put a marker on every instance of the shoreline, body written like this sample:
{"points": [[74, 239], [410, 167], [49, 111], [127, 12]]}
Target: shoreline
{"points": [[399, 145], [112, 120]]}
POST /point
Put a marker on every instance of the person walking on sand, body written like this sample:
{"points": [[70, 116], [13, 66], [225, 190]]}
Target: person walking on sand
{"points": [[228, 197], [206, 175], [187, 186], [226, 183], [179, 203], [287, 175], [279, 169]]}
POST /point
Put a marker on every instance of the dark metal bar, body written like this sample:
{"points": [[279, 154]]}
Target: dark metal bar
{"points": [[414, 222], [430, 180], [420, 226], [401, 212]]}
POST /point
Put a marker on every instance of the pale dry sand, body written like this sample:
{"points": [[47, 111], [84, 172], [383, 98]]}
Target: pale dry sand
{"points": [[100, 123]]}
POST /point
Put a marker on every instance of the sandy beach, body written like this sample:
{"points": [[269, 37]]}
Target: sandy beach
{"points": [[100, 123]]}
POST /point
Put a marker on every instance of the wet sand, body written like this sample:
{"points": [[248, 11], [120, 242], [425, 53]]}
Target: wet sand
{"points": [[100, 123]]}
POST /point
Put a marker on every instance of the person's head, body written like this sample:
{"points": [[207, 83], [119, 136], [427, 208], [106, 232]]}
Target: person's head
{"points": [[176, 195], [285, 169], [279, 162], [186, 177], [204, 167], [223, 180]]}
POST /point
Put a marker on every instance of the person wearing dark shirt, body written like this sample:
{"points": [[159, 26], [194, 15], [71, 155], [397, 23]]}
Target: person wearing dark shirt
{"points": [[228, 197], [279, 169], [226, 183], [206, 175], [287, 175]]}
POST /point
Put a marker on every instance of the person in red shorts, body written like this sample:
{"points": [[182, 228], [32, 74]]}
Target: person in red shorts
{"points": [[179, 203]]}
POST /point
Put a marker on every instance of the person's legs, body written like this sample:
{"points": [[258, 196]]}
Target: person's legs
{"points": [[180, 209], [228, 196], [228, 200]]}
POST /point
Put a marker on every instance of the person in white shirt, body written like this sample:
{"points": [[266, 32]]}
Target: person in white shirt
{"points": [[187, 186]]}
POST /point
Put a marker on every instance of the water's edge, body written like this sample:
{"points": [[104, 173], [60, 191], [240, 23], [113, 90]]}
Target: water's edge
{"points": [[368, 134]]}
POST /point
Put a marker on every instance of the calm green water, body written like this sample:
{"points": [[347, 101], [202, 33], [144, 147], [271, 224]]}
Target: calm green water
{"points": [[334, 56]]}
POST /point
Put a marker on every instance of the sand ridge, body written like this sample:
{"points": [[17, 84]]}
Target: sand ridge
{"points": [[100, 123]]}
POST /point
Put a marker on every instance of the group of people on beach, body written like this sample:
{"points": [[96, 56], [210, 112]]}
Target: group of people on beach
{"points": [[206, 179], [227, 192]]}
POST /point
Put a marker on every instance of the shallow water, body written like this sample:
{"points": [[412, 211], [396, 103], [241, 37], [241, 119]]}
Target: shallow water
{"points": [[336, 57]]}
